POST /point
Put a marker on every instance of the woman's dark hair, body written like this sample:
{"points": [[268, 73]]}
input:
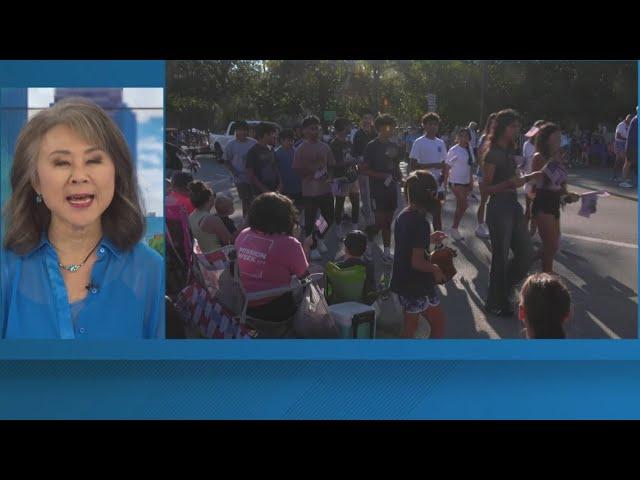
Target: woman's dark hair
{"points": [[200, 193], [503, 119], [123, 221], [356, 243], [384, 120], [421, 188], [542, 139], [465, 131], [547, 303], [273, 213], [430, 117], [263, 129], [487, 126]]}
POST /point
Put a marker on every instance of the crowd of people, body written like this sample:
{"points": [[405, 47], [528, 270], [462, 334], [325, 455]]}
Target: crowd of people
{"points": [[293, 187]]}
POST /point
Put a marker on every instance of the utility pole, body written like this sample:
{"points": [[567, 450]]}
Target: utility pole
{"points": [[483, 89]]}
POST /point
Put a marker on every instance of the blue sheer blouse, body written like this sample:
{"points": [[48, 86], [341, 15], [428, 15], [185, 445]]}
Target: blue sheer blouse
{"points": [[125, 301]]}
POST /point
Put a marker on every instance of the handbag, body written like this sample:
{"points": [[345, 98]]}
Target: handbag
{"points": [[443, 258], [313, 318]]}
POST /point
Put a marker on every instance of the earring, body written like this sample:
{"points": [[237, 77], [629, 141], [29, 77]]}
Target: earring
{"points": [[38, 198]]}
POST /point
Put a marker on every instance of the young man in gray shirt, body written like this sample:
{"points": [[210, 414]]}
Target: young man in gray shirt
{"points": [[235, 157]]}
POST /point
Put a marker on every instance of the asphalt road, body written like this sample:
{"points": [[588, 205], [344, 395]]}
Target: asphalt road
{"points": [[598, 261]]}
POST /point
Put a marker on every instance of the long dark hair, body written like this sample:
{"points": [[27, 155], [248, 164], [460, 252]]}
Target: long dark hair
{"points": [[421, 188], [503, 119], [542, 139], [547, 303], [487, 126]]}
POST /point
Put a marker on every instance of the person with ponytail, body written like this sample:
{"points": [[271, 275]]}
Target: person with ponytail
{"points": [[482, 230], [460, 158], [545, 306], [545, 208], [207, 228], [505, 215]]}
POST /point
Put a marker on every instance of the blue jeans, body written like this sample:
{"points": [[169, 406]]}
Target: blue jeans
{"points": [[508, 231]]}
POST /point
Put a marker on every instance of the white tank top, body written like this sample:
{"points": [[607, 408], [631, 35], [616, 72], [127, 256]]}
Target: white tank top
{"points": [[207, 241]]}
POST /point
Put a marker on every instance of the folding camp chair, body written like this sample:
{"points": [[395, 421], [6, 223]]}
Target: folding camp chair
{"points": [[344, 284], [345, 295]]}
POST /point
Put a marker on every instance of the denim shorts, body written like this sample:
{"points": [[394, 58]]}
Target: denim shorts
{"points": [[419, 304]]}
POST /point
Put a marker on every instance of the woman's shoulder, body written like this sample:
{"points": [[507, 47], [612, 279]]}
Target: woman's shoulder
{"points": [[9, 259], [143, 256]]}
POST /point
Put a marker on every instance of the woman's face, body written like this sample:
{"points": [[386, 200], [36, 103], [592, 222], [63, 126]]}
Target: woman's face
{"points": [[76, 179], [463, 138], [512, 131]]}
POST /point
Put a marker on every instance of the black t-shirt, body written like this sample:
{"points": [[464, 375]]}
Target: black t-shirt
{"points": [[360, 141], [340, 150], [382, 157], [505, 169], [262, 160], [412, 230]]}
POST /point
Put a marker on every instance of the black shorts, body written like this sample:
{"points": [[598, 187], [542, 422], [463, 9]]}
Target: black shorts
{"points": [[547, 202], [384, 199]]}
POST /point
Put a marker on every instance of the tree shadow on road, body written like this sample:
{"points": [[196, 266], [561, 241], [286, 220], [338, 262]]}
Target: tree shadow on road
{"points": [[604, 298], [504, 327]]}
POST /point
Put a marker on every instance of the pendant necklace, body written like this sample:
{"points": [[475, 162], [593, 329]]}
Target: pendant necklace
{"points": [[74, 267]]}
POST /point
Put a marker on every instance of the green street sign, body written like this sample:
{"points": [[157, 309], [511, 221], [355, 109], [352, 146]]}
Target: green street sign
{"points": [[330, 115]]}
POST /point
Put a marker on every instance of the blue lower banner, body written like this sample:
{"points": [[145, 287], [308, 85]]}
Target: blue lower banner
{"points": [[320, 389]]}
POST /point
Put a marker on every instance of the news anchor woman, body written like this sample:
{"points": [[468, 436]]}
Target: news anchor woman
{"points": [[73, 265]]}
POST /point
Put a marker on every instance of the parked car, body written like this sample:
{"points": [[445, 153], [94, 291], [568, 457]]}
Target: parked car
{"points": [[217, 142]]}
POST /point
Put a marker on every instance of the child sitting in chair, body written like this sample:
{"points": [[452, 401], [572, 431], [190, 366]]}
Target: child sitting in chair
{"points": [[355, 245]]}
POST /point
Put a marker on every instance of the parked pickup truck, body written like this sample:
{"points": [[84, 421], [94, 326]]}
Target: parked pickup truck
{"points": [[217, 142]]}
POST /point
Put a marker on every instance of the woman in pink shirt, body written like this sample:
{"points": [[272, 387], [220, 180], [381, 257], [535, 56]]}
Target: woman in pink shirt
{"points": [[269, 255]]}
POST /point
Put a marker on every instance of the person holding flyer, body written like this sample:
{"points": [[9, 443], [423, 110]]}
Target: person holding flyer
{"points": [[312, 161], [548, 190], [460, 158]]}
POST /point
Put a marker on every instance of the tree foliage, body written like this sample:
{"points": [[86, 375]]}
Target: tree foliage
{"points": [[209, 94]]}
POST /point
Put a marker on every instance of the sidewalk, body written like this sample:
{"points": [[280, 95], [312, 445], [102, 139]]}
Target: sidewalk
{"points": [[597, 178]]}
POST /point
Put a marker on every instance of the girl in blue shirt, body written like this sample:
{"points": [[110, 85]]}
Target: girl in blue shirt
{"points": [[73, 265]]}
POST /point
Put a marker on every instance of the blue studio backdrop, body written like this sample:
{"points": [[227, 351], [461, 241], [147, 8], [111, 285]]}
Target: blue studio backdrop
{"points": [[380, 379]]}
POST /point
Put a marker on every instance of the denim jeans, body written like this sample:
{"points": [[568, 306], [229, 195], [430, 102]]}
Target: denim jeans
{"points": [[508, 231]]}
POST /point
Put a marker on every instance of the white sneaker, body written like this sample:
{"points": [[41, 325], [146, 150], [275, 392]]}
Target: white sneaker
{"points": [[482, 231], [315, 255], [322, 247], [455, 234], [626, 184]]}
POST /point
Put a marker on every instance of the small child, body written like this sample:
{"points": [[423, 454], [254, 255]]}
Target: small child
{"points": [[224, 209], [414, 278], [545, 305], [355, 244]]}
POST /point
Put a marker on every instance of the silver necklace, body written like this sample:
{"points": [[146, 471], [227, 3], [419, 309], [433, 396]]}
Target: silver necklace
{"points": [[74, 267]]}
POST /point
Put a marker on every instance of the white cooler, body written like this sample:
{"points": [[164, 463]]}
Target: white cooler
{"points": [[355, 320]]}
